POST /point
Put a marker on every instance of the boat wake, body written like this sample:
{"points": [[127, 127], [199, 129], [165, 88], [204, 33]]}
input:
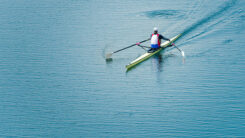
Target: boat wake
{"points": [[217, 15], [187, 21]]}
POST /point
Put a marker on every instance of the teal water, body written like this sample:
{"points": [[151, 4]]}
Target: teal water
{"points": [[55, 82]]}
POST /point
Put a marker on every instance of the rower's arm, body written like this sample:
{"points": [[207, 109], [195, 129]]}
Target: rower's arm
{"points": [[164, 38]]}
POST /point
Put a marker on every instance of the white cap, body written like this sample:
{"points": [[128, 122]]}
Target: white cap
{"points": [[155, 29]]}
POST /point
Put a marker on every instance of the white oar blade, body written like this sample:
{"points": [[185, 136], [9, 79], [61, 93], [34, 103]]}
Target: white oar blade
{"points": [[108, 56], [183, 54]]}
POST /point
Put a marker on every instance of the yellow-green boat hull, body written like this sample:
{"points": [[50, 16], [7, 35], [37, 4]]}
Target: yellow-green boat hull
{"points": [[148, 55]]}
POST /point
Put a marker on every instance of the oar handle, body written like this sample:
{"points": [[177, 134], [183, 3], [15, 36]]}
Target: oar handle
{"points": [[131, 46]]}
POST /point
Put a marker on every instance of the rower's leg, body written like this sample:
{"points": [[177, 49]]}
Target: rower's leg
{"points": [[151, 50]]}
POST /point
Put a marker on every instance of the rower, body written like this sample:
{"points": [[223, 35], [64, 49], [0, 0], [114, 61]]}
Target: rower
{"points": [[156, 41]]}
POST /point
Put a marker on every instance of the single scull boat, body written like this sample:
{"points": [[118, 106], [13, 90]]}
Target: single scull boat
{"points": [[148, 55]]}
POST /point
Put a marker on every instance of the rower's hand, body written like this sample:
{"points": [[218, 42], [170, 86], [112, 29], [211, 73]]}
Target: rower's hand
{"points": [[138, 43], [173, 44]]}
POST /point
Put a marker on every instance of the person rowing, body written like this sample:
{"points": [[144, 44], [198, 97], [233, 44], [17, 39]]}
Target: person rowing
{"points": [[155, 44], [156, 40]]}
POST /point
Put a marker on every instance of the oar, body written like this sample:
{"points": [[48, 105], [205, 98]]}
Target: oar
{"points": [[182, 52], [144, 46], [110, 54]]}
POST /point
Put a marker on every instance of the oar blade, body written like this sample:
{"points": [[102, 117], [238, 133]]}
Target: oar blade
{"points": [[108, 56], [183, 53]]}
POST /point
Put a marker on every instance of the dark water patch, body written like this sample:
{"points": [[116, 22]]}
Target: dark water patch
{"points": [[109, 60], [168, 14], [227, 41]]}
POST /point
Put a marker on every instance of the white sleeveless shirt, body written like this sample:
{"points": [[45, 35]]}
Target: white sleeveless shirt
{"points": [[155, 39]]}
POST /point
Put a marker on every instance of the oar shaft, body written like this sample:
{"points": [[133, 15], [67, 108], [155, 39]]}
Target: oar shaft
{"points": [[144, 46], [123, 48], [130, 46], [178, 48], [182, 52]]}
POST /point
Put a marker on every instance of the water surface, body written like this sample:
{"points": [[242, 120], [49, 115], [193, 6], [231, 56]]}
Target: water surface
{"points": [[55, 82]]}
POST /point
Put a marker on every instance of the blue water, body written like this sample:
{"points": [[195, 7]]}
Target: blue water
{"points": [[55, 82]]}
